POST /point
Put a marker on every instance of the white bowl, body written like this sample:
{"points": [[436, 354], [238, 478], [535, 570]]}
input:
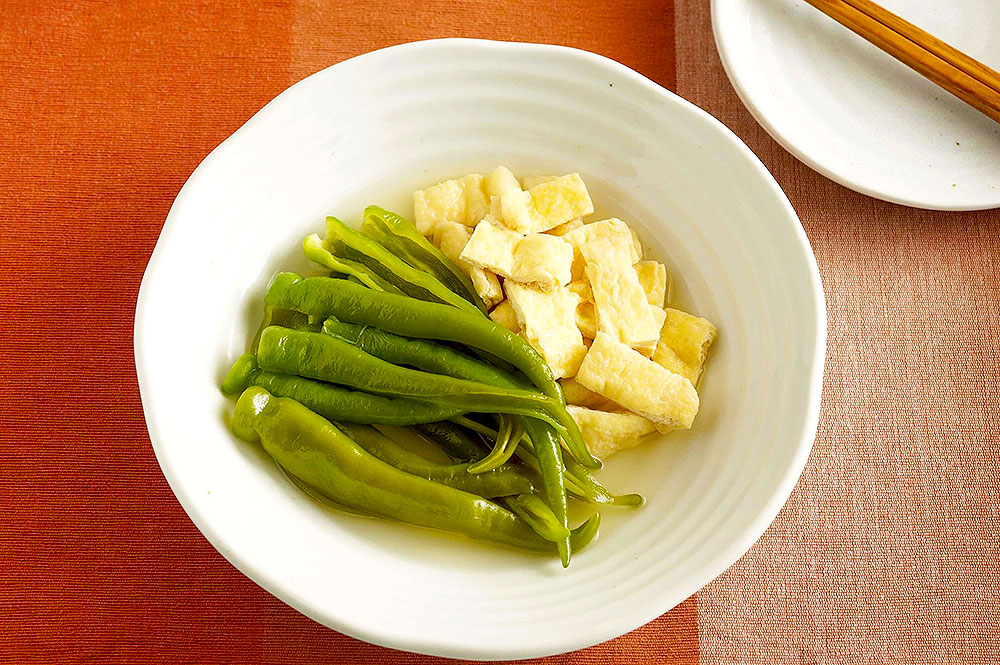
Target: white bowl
{"points": [[370, 130]]}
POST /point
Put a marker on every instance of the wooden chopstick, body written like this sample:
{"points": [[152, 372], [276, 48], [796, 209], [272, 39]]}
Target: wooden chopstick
{"points": [[966, 78]]}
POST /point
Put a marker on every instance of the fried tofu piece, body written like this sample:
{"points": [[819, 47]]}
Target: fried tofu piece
{"points": [[451, 238], [582, 288], [548, 320], [503, 314], [563, 229], [542, 259], [461, 200], [530, 181], [509, 204], [576, 394], [586, 319], [623, 311], [556, 202], [607, 432], [533, 259], [684, 344], [487, 285], [653, 278], [638, 384], [613, 229]]}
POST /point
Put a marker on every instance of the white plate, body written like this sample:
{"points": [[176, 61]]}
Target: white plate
{"points": [[370, 130], [857, 115]]}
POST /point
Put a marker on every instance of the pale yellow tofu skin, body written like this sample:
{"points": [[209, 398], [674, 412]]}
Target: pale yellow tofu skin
{"points": [[577, 395], [542, 259], [503, 315], [653, 278], [451, 238], [530, 181], [623, 310], [487, 285], [477, 203], [613, 229], [461, 200], [636, 244], [605, 433], [533, 259], [492, 247], [638, 384], [509, 204], [582, 288], [558, 201], [684, 344], [563, 229], [586, 319], [666, 357], [548, 321], [578, 269], [647, 349]]}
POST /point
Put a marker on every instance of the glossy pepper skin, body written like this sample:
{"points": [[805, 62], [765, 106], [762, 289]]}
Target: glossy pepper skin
{"points": [[402, 238], [326, 358], [313, 450], [506, 480], [544, 438], [552, 470], [453, 440], [343, 241], [314, 250], [322, 297], [422, 354], [334, 402]]}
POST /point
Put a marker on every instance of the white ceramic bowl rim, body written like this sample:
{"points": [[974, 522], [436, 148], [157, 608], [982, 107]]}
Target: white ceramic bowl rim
{"points": [[383, 634]]}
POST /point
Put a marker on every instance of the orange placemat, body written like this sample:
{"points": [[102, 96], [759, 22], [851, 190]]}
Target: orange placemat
{"points": [[885, 552], [106, 109]]}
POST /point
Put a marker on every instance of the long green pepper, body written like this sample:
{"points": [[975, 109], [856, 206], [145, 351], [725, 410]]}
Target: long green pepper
{"points": [[506, 480], [335, 402], [322, 297], [313, 450], [422, 354], [402, 238], [416, 282], [326, 358], [453, 440]]}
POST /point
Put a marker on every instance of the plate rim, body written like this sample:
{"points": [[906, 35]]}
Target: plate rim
{"points": [[380, 635], [721, 11]]}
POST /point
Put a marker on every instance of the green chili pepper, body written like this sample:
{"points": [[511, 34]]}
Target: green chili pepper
{"points": [[347, 243], [314, 250], [579, 538], [584, 534], [421, 354], [334, 402], [538, 515], [509, 435], [412, 440], [550, 465], [579, 481], [313, 450], [402, 238], [323, 357], [410, 317], [452, 439], [594, 492], [320, 296], [502, 481]]}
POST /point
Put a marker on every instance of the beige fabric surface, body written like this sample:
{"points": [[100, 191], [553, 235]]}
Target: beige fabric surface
{"points": [[887, 550]]}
